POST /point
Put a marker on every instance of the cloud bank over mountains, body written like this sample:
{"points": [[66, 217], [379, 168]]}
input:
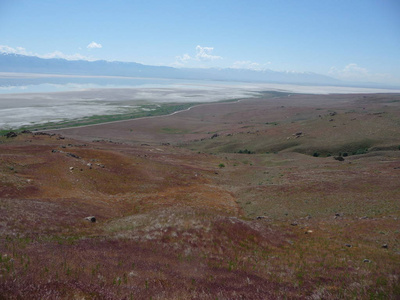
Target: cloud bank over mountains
{"points": [[354, 72], [202, 54], [53, 54], [202, 59]]}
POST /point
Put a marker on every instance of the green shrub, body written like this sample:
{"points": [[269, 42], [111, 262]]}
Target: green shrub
{"points": [[245, 151], [360, 151]]}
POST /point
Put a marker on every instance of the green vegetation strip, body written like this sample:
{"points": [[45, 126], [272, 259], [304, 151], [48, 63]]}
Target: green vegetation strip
{"points": [[147, 110]]}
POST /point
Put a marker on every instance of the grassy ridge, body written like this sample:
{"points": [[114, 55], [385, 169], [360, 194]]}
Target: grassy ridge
{"points": [[169, 225]]}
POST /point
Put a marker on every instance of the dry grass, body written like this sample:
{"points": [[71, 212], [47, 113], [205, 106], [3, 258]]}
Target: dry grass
{"points": [[173, 224]]}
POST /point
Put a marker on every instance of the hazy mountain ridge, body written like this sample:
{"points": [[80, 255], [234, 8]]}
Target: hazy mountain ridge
{"points": [[31, 64]]}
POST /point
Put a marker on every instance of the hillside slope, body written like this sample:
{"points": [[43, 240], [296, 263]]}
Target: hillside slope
{"points": [[283, 197]]}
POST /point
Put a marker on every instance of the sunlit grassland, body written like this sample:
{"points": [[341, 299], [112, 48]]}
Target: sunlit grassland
{"points": [[248, 213]]}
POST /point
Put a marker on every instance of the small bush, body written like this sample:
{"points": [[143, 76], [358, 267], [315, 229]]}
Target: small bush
{"points": [[245, 151], [360, 151], [221, 165], [316, 154]]}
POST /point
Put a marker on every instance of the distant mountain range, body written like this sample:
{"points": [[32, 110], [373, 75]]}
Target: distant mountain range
{"points": [[32, 64]]}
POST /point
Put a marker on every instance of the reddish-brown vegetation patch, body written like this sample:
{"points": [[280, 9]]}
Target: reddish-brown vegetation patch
{"points": [[181, 213]]}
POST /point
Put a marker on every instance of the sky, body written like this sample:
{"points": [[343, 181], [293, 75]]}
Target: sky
{"points": [[357, 40]]}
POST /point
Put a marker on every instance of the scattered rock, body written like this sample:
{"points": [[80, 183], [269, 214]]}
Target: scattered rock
{"points": [[261, 217], [293, 223], [338, 215], [333, 113], [91, 219], [89, 165], [44, 133], [26, 131], [366, 261], [132, 273], [385, 246], [297, 134], [308, 232], [55, 151], [73, 155], [348, 245], [11, 134], [214, 135], [308, 217], [71, 168], [339, 158]]}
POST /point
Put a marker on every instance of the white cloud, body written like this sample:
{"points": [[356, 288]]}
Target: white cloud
{"points": [[17, 50], [94, 45], [185, 57], [54, 54], [351, 71], [247, 64], [354, 72], [204, 53], [181, 60]]}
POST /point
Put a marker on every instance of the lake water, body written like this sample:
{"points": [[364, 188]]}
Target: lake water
{"points": [[32, 83], [28, 99]]}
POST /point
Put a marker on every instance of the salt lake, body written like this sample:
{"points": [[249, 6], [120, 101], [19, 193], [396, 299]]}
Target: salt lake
{"points": [[28, 99]]}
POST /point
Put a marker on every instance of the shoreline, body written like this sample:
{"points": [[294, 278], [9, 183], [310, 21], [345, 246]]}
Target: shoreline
{"points": [[148, 117], [118, 98]]}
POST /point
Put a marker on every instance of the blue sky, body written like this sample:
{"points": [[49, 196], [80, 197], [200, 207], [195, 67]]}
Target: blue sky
{"points": [[351, 40]]}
